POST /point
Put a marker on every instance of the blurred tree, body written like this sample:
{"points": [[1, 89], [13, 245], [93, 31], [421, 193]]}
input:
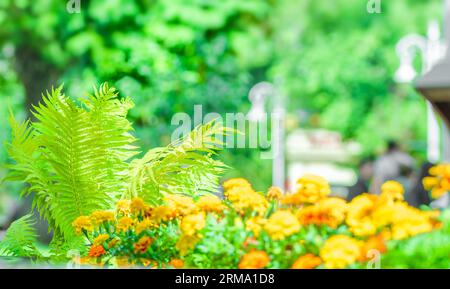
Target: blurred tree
{"points": [[339, 61], [167, 55]]}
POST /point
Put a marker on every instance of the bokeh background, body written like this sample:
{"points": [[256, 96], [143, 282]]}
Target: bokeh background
{"points": [[334, 61]]}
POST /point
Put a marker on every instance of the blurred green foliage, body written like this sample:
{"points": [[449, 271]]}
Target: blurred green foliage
{"points": [[333, 60], [167, 55], [338, 62]]}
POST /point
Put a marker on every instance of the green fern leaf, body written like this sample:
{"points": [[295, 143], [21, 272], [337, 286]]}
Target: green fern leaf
{"points": [[183, 167], [20, 239], [80, 154]]}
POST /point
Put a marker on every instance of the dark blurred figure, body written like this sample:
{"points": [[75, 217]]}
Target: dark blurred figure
{"points": [[394, 164], [365, 175], [418, 196]]}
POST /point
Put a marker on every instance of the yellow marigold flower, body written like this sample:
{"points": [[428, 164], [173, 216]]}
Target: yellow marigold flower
{"points": [[100, 239], [359, 215], [339, 251], [328, 211], [82, 223], [440, 170], [141, 246], [210, 203], [254, 260], [183, 205], [439, 182], [96, 251], [430, 182], [410, 222], [310, 189], [176, 263], [187, 243], [99, 217], [144, 225], [307, 261], [403, 220], [281, 225], [436, 193], [255, 224], [274, 193], [123, 207], [385, 214], [392, 191], [236, 183], [124, 224], [245, 199], [137, 206], [163, 213], [192, 223]]}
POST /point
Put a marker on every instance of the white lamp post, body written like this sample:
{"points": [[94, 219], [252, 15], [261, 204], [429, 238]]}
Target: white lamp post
{"points": [[258, 96], [432, 49]]}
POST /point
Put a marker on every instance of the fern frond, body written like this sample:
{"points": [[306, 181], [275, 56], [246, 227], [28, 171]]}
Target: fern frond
{"points": [[81, 154], [29, 166], [20, 239], [184, 167]]}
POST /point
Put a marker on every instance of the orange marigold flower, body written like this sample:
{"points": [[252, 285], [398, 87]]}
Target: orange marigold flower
{"points": [[142, 245], [328, 211], [254, 260], [176, 263], [96, 251], [308, 261]]}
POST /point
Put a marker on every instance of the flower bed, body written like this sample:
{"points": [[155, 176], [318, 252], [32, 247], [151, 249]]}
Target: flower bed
{"points": [[249, 229]]}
